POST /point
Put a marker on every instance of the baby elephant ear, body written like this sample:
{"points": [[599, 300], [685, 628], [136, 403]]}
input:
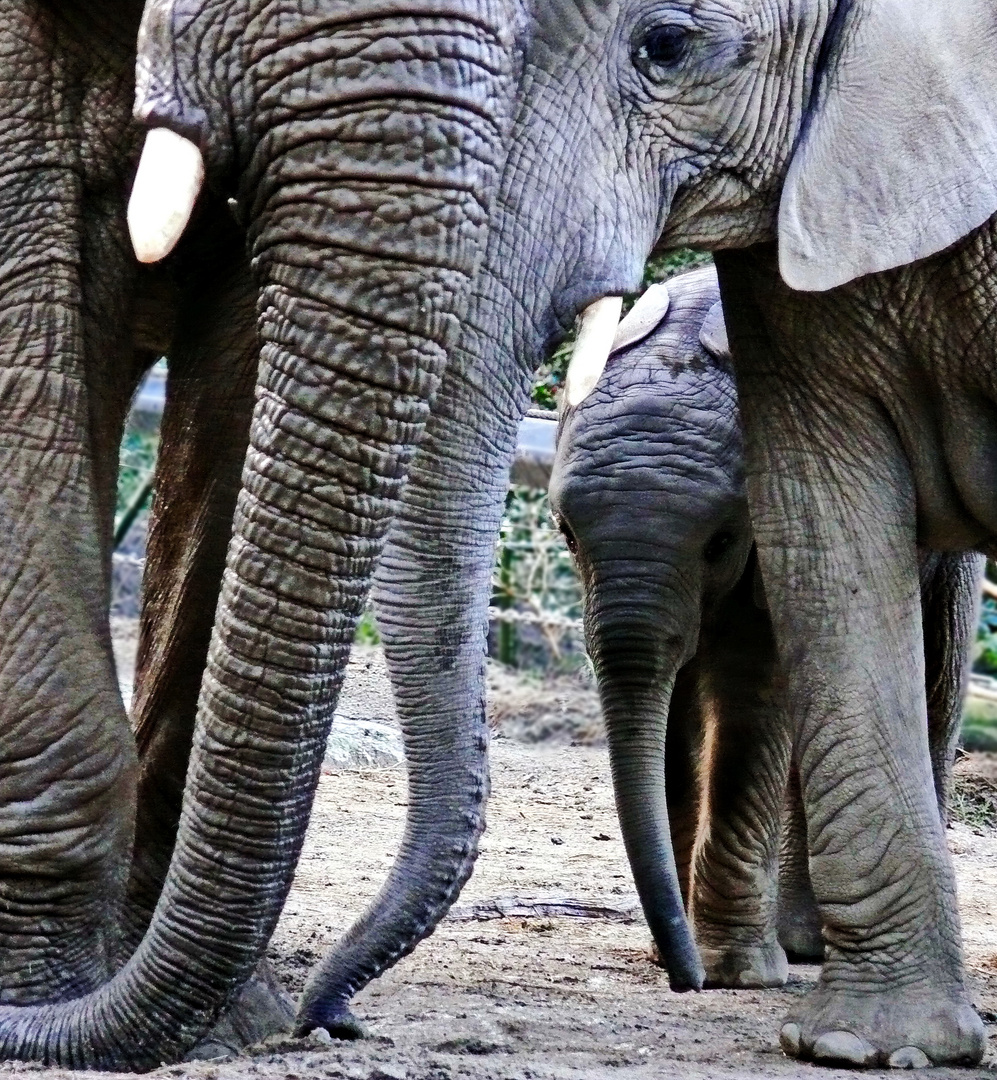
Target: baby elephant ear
{"points": [[898, 154], [643, 318], [713, 333]]}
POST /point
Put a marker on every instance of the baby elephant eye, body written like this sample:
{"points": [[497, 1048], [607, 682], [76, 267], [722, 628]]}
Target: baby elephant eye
{"points": [[661, 45], [717, 545], [569, 538]]}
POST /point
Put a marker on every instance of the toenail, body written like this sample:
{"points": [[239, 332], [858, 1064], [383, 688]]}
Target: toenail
{"points": [[909, 1057], [845, 1047], [789, 1039]]}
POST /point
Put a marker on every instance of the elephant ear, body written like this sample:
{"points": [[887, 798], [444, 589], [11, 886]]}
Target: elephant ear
{"points": [[898, 154], [713, 334], [643, 318]]}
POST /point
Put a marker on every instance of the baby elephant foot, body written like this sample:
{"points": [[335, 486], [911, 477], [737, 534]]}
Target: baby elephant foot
{"points": [[799, 928], [747, 967], [802, 942], [899, 1028]]}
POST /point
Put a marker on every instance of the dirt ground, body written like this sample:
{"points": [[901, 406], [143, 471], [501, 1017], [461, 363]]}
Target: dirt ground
{"points": [[536, 995]]}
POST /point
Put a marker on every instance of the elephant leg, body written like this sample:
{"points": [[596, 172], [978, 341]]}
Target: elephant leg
{"points": [[746, 763], [67, 761], [950, 597], [949, 601], [834, 512], [203, 439], [798, 916], [850, 630], [683, 749]]}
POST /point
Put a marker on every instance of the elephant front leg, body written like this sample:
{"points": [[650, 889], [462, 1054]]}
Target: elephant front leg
{"points": [[835, 530], [746, 765]]}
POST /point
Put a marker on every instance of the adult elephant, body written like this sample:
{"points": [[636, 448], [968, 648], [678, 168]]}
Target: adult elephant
{"points": [[357, 145], [862, 135]]}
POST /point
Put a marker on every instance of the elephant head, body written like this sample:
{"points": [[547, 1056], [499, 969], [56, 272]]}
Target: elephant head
{"points": [[357, 145]]}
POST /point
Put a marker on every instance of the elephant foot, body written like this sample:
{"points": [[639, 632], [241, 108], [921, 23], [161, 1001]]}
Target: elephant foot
{"points": [[339, 1022], [262, 1009], [800, 929], [802, 942], [746, 967], [900, 1028]]}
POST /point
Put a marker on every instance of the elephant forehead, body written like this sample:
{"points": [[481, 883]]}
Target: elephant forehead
{"points": [[645, 394], [651, 452]]}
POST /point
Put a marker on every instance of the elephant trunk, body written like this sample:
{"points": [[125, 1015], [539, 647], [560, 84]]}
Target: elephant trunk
{"points": [[636, 677], [432, 592], [362, 287]]}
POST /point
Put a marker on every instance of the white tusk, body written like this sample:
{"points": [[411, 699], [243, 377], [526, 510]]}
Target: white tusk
{"points": [[644, 317], [596, 330], [167, 184]]}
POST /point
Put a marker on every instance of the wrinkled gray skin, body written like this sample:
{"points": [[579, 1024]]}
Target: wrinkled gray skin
{"points": [[91, 322], [648, 490], [358, 144], [646, 124]]}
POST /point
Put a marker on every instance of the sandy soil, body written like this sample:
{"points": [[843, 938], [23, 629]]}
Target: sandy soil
{"points": [[536, 996]]}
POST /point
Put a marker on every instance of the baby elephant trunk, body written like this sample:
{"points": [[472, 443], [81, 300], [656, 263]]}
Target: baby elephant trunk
{"points": [[636, 668]]}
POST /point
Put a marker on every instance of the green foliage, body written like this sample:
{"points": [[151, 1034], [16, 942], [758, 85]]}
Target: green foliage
{"points": [[137, 459], [367, 631], [985, 647], [672, 263], [550, 376], [136, 464], [534, 576]]}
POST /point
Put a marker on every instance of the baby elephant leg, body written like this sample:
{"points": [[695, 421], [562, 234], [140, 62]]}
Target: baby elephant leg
{"points": [[746, 765], [799, 917], [950, 594], [683, 749]]}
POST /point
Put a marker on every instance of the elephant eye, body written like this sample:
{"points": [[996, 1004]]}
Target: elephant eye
{"points": [[717, 546], [661, 46], [569, 537]]}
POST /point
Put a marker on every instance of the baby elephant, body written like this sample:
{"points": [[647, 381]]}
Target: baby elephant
{"points": [[648, 489]]}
